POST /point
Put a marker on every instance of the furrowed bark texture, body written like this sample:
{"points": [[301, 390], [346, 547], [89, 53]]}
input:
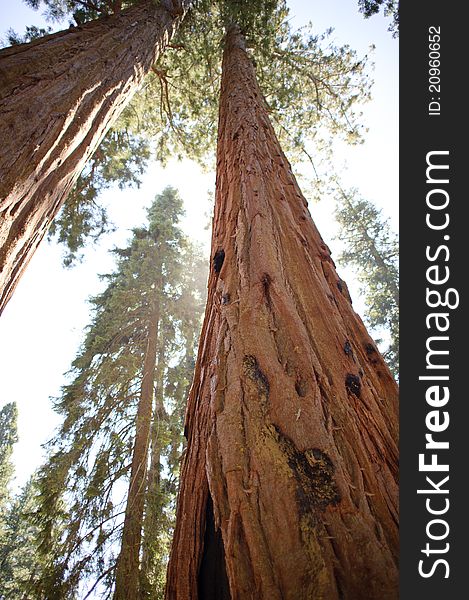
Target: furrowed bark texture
{"points": [[128, 563], [58, 97], [292, 417]]}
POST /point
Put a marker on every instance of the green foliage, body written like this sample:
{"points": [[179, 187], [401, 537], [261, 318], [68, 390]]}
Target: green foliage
{"points": [[80, 10], [371, 248], [20, 564], [311, 87], [120, 159], [32, 33], [84, 483], [8, 437], [390, 8]]}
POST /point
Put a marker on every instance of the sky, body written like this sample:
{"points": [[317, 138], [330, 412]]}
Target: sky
{"points": [[42, 326]]}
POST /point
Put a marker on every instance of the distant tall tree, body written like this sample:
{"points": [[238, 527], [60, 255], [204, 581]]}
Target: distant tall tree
{"points": [[125, 401], [289, 483], [8, 438], [59, 96], [371, 248], [20, 564]]}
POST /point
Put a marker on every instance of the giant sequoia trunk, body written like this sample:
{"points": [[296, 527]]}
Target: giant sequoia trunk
{"points": [[128, 563], [58, 97], [289, 483]]}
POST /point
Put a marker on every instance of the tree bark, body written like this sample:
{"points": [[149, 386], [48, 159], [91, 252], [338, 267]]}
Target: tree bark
{"points": [[58, 97], [128, 563], [151, 519], [292, 417]]}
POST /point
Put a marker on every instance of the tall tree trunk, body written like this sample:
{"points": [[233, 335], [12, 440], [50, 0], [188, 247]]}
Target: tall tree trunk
{"points": [[128, 563], [58, 97], [289, 483], [152, 517]]}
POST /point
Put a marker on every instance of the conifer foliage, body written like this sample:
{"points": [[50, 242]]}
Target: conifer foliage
{"points": [[150, 305], [390, 9], [8, 437], [20, 564], [371, 248]]}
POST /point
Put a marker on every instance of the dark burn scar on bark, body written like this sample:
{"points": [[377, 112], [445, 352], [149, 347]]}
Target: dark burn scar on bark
{"points": [[313, 471], [218, 260], [372, 355], [225, 299], [254, 373], [353, 384], [348, 348], [342, 287], [266, 281], [301, 387]]}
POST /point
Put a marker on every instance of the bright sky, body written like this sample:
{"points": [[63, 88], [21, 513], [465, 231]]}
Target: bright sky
{"points": [[41, 328]]}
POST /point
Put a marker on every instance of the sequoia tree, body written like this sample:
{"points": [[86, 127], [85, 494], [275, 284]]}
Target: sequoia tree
{"points": [[58, 97], [288, 486]]}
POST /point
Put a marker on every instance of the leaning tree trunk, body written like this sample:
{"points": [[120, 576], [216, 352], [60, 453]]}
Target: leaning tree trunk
{"points": [[58, 97], [128, 562], [289, 483]]}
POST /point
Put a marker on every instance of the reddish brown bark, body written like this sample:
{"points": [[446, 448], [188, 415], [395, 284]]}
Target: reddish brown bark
{"points": [[58, 97], [292, 417], [128, 563]]}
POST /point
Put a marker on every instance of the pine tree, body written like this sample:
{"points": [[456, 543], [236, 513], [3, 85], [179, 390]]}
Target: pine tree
{"points": [[371, 248], [8, 438], [19, 562], [124, 401], [59, 96], [289, 483]]}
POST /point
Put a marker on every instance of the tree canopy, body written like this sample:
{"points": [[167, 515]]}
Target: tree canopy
{"points": [[389, 7], [313, 88]]}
